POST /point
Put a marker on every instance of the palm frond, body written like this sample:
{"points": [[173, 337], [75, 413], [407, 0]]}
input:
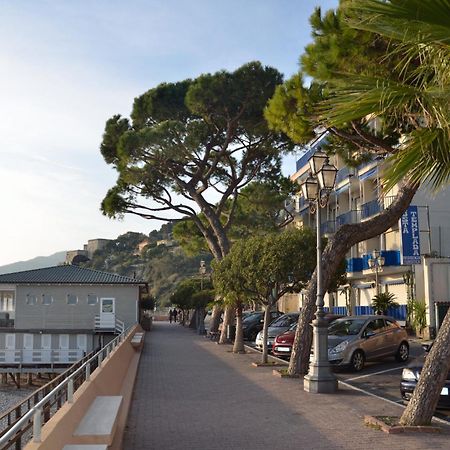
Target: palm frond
{"points": [[407, 21], [424, 158]]}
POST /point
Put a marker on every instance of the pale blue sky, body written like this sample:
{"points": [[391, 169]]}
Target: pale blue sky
{"points": [[67, 66]]}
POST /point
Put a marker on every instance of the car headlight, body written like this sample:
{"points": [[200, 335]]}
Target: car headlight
{"points": [[408, 375], [339, 348]]}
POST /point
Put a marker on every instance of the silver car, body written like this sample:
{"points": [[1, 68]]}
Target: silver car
{"points": [[356, 339], [278, 326]]}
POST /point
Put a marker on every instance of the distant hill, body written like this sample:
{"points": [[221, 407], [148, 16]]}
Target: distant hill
{"points": [[36, 263]]}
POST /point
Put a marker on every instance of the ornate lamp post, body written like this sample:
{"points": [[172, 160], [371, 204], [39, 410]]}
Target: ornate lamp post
{"points": [[200, 318], [316, 189], [376, 263]]}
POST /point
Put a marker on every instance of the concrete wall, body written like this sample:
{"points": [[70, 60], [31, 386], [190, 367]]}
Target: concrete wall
{"points": [[115, 377], [61, 316]]}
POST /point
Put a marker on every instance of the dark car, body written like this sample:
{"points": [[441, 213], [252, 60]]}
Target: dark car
{"points": [[253, 323], [411, 374], [282, 346]]}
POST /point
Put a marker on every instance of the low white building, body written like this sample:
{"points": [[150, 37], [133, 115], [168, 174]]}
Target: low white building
{"points": [[53, 316]]}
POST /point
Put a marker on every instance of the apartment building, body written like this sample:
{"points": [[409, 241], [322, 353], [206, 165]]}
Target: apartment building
{"points": [[410, 259]]}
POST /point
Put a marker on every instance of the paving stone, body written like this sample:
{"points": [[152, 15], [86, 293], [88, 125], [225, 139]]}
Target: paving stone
{"points": [[193, 394]]}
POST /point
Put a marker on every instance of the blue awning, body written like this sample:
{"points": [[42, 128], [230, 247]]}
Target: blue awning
{"points": [[368, 174]]}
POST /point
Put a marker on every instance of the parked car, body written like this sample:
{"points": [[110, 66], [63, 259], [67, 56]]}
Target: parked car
{"points": [[410, 377], [282, 346], [253, 323], [276, 327], [354, 340]]}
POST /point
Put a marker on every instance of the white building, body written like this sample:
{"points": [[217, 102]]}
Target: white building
{"points": [[358, 197]]}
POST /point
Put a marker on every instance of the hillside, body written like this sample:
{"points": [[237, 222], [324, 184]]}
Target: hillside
{"points": [[36, 263], [162, 263]]}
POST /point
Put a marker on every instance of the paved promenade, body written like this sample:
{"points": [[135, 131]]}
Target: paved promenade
{"points": [[192, 394]]}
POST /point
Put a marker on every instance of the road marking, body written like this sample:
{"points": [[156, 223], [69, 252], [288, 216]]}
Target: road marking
{"points": [[437, 419], [374, 373]]}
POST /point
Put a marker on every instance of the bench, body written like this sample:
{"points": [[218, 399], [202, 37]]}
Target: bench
{"points": [[99, 423], [86, 447], [137, 339]]}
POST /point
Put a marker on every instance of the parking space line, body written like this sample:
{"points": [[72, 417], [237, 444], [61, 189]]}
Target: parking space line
{"points": [[374, 373], [437, 419]]}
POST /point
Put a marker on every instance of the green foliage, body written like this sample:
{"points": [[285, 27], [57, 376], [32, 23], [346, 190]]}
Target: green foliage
{"points": [[383, 301], [419, 314], [266, 267], [189, 294], [147, 302], [190, 139]]}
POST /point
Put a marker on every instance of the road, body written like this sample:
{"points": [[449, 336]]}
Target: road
{"points": [[382, 378]]}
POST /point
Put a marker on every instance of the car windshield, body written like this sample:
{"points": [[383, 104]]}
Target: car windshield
{"points": [[284, 321], [293, 327], [346, 327], [252, 317]]}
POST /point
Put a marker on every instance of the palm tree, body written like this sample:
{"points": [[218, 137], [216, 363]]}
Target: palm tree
{"points": [[417, 95], [383, 301]]}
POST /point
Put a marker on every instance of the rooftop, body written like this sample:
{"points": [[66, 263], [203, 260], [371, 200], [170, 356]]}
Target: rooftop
{"points": [[66, 274]]}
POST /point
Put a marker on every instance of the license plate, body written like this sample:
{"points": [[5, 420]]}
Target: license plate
{"points": [[283, 349], [444, 391]]}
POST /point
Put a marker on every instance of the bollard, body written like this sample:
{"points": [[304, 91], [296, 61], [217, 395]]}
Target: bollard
{"points": [[70, 391], [37, 425]]}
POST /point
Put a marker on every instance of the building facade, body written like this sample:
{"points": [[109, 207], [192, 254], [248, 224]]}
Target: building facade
{"points": [[58, 314], [357, 197]]}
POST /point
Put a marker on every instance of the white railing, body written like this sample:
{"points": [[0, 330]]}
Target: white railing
{"points": [[112, 323], [36, 412], [40, 356]]}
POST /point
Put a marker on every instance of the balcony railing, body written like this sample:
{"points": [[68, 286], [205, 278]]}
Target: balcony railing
{"points": [[328, 227], [391, 258], [351, 216], [342, 174], [371, 208]]}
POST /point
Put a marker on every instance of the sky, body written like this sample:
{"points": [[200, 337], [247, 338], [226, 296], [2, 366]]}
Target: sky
{"points": [[66, 66]]}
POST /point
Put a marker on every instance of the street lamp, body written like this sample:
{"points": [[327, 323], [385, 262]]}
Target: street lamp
{"points": [[201, 321], [316, 189], [376, 263]]}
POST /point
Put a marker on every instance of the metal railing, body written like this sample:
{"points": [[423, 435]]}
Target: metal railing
{"points": [[114, 324], [40, 356], [42, 411], [351, 216]]}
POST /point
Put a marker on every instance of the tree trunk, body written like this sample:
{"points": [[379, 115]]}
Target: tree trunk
{"points": [[215, 319], [434, 373], [194, 319], [201, 320], [336, 249], [227, 319], [238, 346], [265, 352]]}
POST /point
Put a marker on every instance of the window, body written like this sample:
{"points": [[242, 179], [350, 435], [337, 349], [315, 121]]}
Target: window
{"points": [[31, 299], [92, 299], [47, 299], [7, 301], [72, 299]]}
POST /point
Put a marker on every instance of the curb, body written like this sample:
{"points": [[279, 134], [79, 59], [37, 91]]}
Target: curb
{"points": [[377, 422]]}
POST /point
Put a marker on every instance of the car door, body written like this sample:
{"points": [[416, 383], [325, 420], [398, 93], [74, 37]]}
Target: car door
{"points": [[373, 338]]}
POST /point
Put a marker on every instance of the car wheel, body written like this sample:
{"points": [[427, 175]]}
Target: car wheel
{"points": [[402, 354], [357, 361]]}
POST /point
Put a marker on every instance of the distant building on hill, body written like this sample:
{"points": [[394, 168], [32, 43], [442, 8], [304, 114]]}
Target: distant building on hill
{"points": [[78, 256]]}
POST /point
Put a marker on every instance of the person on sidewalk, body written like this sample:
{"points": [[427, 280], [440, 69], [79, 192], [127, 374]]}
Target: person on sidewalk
{"points": [[170, 315], [175, 314]]}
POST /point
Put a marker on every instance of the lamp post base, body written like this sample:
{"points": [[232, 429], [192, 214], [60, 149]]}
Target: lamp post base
{"points": [[315, 385]]}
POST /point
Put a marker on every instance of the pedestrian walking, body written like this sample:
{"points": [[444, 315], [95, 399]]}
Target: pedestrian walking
{"points": [[175, 314], [170, 315]]}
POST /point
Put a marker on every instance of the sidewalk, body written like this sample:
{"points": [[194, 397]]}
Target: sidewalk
{"points": [[192, 394]]}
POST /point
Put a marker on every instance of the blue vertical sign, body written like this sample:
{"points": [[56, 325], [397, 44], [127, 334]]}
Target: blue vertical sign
{"points": [[409, 224]]}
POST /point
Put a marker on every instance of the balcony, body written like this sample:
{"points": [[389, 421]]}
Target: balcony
{"points": [[354, 265], [348, 217], [5, 320], [328, 227], [369, 209], [304, 160], [391, 258], [342, 174]]}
